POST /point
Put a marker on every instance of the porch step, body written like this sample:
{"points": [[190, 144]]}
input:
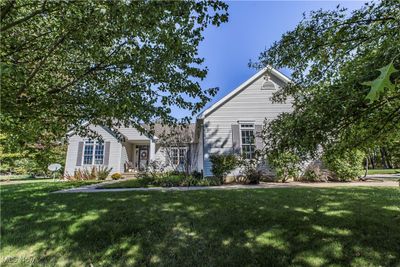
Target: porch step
{"points": [[130, 175]]}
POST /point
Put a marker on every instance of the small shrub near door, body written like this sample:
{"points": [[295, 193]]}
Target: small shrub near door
{"points": [[116, 176], [222, 165]]}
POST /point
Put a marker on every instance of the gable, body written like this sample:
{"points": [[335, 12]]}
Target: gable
{"points": [[267, 80]]}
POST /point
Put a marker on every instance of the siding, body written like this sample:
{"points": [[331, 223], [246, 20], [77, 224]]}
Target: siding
{"points": [[251, 104], [72, 152]]}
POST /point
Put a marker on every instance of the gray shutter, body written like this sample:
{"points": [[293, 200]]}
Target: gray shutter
{"points": [[235, 139], [107, 153], [79, 156], [166, 156], [258, 135]]}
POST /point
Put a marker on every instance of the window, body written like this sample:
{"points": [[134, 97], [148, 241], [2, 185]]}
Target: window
{"points": [[174, 156], [178, 155], [248, 140], [93, 150]]}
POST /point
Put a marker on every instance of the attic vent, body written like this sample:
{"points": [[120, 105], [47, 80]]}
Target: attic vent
{"points": [[268, 85]]}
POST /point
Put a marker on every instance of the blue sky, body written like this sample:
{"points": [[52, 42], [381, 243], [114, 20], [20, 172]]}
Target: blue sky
{"points": [[253, 26]]}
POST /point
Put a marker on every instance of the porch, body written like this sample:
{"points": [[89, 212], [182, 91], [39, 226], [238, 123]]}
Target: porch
{"points": [[136, 155]]}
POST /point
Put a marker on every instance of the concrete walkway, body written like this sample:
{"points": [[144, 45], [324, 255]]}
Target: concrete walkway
{"points": [[95, 188]]}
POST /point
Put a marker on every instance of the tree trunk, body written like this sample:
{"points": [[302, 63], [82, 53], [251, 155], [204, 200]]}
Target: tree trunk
{"points": [[366, 166], [383, 158], [373, 157], [387, 157]]}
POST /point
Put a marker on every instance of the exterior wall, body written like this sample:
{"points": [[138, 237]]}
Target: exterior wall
{"points": [[114, 156], [251, 104], [200, 149], [126, 154]]}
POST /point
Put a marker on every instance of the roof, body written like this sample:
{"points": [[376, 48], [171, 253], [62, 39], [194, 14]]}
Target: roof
{"points": [[241, 87]]}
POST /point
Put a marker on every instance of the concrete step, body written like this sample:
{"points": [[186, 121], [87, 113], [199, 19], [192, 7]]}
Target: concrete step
{"points": [[130, 174]]}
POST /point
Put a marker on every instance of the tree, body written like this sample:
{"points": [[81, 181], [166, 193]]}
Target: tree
{"points": [[333, 55], [108, 63]]}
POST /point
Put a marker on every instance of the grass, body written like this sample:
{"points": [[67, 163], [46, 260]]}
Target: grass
{"points": [[270, 227], [131, 183], [22, 177], [383, 171]]}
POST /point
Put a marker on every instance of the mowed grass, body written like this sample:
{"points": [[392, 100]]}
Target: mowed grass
{"points": [[131, 183], [383, 171], [269, 227]]}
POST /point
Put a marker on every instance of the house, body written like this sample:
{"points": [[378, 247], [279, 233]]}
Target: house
{"points": [[231, 125]]}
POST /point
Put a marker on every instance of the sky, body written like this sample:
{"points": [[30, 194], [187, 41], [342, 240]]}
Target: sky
{"points": [[252, 27]]}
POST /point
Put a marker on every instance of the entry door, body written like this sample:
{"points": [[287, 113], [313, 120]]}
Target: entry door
{"points": [[143, 157]]}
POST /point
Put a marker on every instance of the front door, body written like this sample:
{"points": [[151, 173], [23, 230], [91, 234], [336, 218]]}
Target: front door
{"points": [[143, 157]]}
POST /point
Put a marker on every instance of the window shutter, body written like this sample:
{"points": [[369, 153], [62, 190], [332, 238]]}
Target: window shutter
{"points": [[107, 153], [167, 162], [79, 156], [258, 136], [235, 139]]}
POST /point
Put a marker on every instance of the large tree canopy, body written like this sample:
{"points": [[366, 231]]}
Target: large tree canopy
{"points": [[104, 62], [334, 55]]}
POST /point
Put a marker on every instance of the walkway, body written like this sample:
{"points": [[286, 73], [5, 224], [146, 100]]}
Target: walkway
{"points": [[95, 187]]}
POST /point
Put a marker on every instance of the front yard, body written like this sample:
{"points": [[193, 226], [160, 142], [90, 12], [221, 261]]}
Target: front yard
{"points": [[276, 227]]}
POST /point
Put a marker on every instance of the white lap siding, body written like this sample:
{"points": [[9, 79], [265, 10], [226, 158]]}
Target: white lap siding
{"points": [[114, 148], [251, 104]]}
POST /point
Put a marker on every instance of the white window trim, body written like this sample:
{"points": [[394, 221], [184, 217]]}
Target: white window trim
{"points": [[250, 128], [178, 148], [93, 153]]}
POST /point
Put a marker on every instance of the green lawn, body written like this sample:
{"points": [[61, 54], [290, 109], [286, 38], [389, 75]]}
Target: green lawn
{"points": [[270, 227], [383, 171], [131, 183]]}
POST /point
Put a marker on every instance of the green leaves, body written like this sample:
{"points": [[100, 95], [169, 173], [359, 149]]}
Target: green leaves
{"points": [[103, 62], [382, 82], [330, 54]]}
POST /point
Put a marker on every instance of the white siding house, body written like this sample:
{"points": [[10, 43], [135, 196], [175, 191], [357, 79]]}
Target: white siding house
{"points": [[228, 126], [248, 105]]}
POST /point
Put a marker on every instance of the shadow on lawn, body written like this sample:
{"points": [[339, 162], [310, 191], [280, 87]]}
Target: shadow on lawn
{"points": [[279, 227]]}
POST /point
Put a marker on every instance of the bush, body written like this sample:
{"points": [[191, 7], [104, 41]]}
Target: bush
{"points": [[312, 173], [170, 180], [222, 165], [209, 181], [249, 171], [116, 176], [286, 165], [94, 173], [197, 175], [345, 165]]}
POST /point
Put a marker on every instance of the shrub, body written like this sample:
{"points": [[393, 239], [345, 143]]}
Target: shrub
{"points": [[345, 165], [209, 181], [102, 172], [222, 165], [286, 165], [94, 173], [169, 180], [116, 176], [312, 173], [249, 170], [197, 175]]}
